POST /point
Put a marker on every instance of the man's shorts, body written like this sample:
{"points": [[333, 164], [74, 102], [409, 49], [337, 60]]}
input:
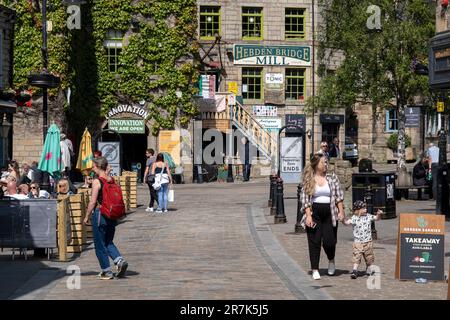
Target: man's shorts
{"points": [[363, 250]]}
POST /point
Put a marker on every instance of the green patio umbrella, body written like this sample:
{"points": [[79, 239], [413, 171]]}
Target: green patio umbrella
{"points": [[51, 153]]}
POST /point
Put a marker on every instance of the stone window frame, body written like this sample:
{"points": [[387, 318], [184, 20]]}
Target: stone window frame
{"points": [[249, 74], [216, 18], [295, 35], [249, 27], [289, 78], [390, 119], [113, 45]]}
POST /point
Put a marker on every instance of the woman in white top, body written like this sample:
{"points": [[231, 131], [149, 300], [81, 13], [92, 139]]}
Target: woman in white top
{"points": [[322, 202]]}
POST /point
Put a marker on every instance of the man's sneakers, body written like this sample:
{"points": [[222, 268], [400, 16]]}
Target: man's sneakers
{"points": [[316, 275], [354, 274], [122, 266], [331, 268], [105, 275], [149, 209]]}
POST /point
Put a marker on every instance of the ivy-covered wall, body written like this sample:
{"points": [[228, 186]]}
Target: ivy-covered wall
{"points": [[157, 59]]}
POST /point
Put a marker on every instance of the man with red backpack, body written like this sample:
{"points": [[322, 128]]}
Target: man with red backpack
{"points": [[107, 207]]}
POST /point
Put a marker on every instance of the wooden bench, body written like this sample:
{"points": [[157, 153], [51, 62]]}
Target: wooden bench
{"points": [[404, 191]]}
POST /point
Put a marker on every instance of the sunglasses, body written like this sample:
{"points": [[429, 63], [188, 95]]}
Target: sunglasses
{"points": [[33, 188], [324, 146]]}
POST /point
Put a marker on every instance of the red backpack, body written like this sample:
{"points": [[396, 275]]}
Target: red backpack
{"points": [[112, 205]]}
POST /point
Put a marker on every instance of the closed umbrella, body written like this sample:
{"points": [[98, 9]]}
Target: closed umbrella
{"points": [[51, 153], [84, 162]]}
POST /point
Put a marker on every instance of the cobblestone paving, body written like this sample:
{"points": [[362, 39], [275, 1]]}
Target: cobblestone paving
{"points": [[205, 248], [341, 286], [201, 249]]}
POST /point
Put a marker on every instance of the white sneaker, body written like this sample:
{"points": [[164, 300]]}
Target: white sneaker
{"points": [[316, 275], [331, 268], [149, 209], [165, 211]]}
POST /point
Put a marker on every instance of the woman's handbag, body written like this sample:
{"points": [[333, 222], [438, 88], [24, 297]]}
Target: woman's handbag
{"points": [[150, 178], [160, 178], [171, 195]]}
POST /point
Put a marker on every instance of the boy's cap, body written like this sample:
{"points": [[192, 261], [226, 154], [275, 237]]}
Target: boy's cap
{"points": [[358, 204]]}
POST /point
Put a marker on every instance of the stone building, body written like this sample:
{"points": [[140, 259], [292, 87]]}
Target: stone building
{"points": [[7, 106], [263, 53]]}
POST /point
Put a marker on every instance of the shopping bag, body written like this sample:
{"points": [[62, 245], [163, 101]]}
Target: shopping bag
{"points": [[171, 196]]}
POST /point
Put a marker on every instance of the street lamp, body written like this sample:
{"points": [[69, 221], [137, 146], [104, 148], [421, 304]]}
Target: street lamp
{"points": [[44, 80]]}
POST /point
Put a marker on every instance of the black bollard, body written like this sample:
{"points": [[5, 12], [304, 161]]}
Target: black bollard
{"points": [[442, 199], [273, 208], [368, 198], [272, 178], [280, 217], [298, 227]]}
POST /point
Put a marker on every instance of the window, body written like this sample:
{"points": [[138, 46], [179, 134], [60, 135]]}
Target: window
{"points": [[252, 23], [209, 22], [295, 84], [252, 83], [294, 24], [391, 120], [113, 46]]}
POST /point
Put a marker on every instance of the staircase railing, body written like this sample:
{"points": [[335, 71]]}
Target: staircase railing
{"points": [[248, 126]]}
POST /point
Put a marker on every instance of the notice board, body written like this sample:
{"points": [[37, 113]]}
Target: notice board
{"points": [[420, 247], [169, 141]]}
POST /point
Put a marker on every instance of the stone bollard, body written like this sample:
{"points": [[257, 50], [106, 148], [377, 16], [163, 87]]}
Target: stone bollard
{"points": [[280, 217], [298, 227], [368, 197], [273, 184]]}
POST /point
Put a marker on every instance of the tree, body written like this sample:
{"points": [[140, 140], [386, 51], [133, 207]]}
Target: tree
{"points": [[379, 41]]}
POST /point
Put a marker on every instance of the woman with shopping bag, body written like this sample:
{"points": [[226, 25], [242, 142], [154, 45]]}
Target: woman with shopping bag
{"points": [[163, 179]]}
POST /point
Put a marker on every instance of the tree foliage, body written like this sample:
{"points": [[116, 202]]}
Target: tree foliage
{"points": [[157, 58], [376, 67]]}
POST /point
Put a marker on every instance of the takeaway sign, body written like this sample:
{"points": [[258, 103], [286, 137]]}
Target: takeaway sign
{"points": [[420, 247]]}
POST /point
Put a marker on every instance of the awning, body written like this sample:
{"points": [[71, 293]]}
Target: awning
{"points": [[7, 106]]}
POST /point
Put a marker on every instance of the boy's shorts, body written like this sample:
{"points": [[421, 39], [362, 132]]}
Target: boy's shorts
{"points": [[363, 250]]}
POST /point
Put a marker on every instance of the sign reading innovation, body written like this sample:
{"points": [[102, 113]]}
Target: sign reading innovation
{"points": [[127, 125], [272, 55]]}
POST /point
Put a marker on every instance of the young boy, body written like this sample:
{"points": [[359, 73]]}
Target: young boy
{"points": [[362, 233]]}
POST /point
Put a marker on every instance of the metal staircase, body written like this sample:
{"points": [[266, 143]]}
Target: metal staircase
{"points": [[248, 126], [253, 131]]}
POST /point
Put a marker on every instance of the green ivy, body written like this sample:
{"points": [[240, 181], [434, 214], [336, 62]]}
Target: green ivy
{"points": [[156, 61]]}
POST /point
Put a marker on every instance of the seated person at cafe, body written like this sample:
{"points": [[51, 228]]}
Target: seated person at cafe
{"points": [[24, 189], [63, 187], [11, 191], [87, 182], [36, 193]]}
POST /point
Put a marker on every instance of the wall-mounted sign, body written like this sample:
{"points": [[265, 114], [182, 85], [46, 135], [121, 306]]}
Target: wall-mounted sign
{"points": [[265, 111], [420, 247], [270, 124], [412, 115], [274, 78], [128, 109], [297, 120], [233, 87], [332, 118], [207, 85], [440, 106], [231, 99], [169, 141], [272, 55], [127, 125], [111, 151], [274, 81]]}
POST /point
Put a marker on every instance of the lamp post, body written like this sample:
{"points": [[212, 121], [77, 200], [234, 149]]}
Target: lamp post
{"points": [[44, 80]]}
